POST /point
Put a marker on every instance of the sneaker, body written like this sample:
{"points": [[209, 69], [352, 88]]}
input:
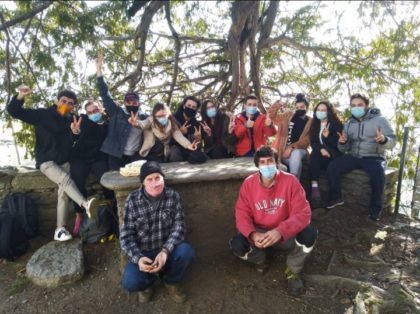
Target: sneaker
{"points": [[92, 208], [61, 234], [176, 293], [335, 203], [77, 224], [294, 283], [146, 295]]}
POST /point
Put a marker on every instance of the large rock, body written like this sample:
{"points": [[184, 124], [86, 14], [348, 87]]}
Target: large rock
{"points": [[56, 263]]}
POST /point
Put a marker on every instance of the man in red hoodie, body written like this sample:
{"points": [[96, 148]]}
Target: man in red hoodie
{"points": [[272, 208]]}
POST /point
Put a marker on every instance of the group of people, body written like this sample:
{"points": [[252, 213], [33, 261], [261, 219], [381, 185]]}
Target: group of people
{"points": [[272, 208]]}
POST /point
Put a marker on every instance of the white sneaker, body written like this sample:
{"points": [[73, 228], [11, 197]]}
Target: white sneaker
{"points": [[61, 234], [92, 208]]}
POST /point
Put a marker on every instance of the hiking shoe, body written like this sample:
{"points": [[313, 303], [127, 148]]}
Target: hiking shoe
{"points": [[92, 208], [146, 295], [335, 203], [77, 224], [176, 293], [61, 234], [294, 283]]}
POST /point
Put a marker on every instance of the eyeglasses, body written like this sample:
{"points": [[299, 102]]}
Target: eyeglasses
{"points": [[92, 112], [67, 102]]}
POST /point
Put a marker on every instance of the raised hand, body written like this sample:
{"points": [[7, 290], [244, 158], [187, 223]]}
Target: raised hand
{"points": [[99, 63], [75, 125], [193, 145], [325, 153], [23, 91], [206, 128], [342, 137], [326, 131], [133, 119], [197, 133], [249, 123], [231, 124], [184, 127], [380, 137], [267, 121]]}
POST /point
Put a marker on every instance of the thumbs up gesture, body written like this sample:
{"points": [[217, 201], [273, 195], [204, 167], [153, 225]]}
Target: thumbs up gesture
{"points": [[342, 137], [249, 123], [75, 125], [380, 137]]}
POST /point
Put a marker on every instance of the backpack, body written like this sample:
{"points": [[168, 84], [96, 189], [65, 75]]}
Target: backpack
{"points": [[106, 223], [13, 240], [22, 205]]}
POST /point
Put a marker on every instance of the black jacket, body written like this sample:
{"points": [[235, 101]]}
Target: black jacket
{"points": [[52, 132], [330, 143]]}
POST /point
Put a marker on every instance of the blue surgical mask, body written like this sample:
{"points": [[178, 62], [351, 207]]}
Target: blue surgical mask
{"points": [[251, 110], [358, 112], [321, 115], [162, 120], [96, 117], [268, 171], [211, 112]]}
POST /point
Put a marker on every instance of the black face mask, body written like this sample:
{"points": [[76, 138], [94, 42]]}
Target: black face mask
{"points": [[131, 109], [189, 112], [300, 112]]}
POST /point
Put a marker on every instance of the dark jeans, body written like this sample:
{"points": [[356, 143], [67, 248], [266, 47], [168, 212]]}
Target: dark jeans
{"points": [[217, 152], [79, 171], [373, 166], [316, 163], [115, 163], [173, 272]]}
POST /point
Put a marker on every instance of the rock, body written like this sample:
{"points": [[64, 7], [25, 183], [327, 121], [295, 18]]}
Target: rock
{"points": [[56, 263]]}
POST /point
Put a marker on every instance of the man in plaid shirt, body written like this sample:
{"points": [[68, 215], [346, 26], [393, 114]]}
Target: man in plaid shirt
{"points": [[152, 236]]}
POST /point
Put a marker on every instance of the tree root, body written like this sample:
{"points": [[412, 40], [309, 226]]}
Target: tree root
{"points": [[377, 263]]}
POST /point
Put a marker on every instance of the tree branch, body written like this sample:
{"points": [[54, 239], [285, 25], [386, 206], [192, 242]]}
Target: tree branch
{"points": [[4, 25]]}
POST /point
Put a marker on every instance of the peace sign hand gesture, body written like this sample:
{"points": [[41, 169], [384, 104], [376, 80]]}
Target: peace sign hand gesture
{"points": [[75, 125], [133, 119], [342, 137], [326, 131], [380, 137], [197, 133], [206, 128], [193, 145], [184, 127]]}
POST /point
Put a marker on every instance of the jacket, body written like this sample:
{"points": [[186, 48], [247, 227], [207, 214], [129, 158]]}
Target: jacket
{"points": [[225, 139], [282, 207], [282, 121], [118, 126], [53, 136], [259, 134], [361, 135], [329, 143]]}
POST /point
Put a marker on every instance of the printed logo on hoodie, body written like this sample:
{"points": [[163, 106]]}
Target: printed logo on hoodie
{"points": [[270, 207]]}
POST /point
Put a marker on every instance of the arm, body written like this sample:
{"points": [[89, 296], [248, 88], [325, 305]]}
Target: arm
{"points": [[344, 148], [16, 110], [110, 105], [181, 139], [243, 213], [304, 139], [141, 124], [240, 128], [178, 228], [299, 212], [269, 130], [388, 133]]}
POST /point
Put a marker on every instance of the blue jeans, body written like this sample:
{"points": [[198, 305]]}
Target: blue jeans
{"points": [[174, 270], [373, 166]]}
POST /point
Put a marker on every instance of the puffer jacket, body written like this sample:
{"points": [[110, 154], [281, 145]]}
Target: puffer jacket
{"points": [[361, 135]]}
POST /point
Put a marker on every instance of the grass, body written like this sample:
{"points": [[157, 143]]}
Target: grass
{"points": [[18, 286]]}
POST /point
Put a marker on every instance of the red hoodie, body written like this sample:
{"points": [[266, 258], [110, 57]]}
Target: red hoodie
{"points": [[283, 206]]}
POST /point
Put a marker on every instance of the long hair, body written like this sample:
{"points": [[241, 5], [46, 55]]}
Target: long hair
{"points": [[332, 118], [159, 106]]}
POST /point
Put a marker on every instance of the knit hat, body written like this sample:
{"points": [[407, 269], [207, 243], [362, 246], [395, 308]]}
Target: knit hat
{"points": [[150, 167], [131, 96]]}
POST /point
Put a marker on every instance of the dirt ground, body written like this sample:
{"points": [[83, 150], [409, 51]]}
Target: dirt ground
{"points": [[384, 254]]}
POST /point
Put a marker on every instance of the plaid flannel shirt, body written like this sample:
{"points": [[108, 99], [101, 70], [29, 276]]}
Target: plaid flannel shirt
{"points": [[146, 229]]}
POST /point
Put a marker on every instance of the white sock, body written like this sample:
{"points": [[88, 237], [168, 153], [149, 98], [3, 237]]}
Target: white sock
{"points": [[314, 184]]}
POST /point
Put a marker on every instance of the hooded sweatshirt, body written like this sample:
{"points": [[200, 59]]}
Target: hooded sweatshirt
{"points": [[282, 206], [361, 135]]}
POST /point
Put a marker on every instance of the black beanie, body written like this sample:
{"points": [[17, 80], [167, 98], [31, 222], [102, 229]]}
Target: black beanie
{"points": [[148, 168]]}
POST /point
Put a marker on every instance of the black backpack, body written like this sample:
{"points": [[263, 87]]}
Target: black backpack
{"points": [[22, 205], [106, 223], [13, 240]]}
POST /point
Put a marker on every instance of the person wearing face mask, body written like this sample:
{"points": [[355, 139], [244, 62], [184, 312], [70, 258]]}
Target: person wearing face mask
{"points": [[251, 128], [272, 210], [53, 144], [324, 141], [219, 140], [292, 137], [123, 141], [153, 237], [364, 139], [90, 130], [159, 129]]}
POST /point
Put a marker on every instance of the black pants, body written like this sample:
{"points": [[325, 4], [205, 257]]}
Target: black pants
{"points": [[373, 166], [115, 163], [79, 171], [316, 163], [217, 152]]}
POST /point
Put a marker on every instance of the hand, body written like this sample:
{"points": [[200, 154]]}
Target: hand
{"points": [[184, 127], [278, 104], [206, 128], [267, 121], [99, 63], [326, 131], [23, 91], [159, 261], [193, 145], [249, 123], [257, 238], [197, 133], [380, 138], [325, 153], [287, 152], [145, 264], [75, 125], [133, 119], [231, 124], [342, 137], [270, 237]]}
